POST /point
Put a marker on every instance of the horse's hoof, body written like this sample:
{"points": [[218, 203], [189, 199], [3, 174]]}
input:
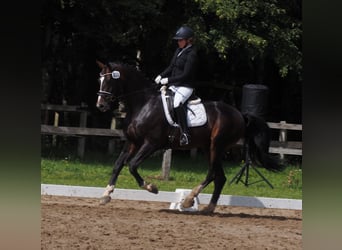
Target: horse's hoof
{"points": [[188, 202], [105, 199], [208, 209], [152, 188]]}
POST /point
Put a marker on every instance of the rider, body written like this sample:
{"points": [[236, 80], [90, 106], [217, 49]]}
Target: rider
{"points": [[180, 76]]}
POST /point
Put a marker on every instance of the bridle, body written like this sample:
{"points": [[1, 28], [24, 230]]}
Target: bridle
{"points": [[108, 95], [115, 75]]}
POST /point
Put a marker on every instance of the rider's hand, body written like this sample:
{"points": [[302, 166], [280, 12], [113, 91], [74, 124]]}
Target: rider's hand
{"points": [[157, 80], [164, 81], [163, 88]]}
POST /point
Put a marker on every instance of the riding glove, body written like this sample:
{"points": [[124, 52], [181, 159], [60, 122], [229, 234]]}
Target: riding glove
{"points": [[164, 81], [157, 80]]}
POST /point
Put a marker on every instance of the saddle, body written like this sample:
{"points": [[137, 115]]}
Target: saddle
{"points": [[196, 114]]}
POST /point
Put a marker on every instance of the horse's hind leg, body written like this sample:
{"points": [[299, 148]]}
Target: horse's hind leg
{"points": [[216, 155], [219, 181], [215, 174], [189, 199]]}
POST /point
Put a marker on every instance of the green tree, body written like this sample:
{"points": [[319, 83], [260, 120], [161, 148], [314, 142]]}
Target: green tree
{"points": [[75, 33], [239, 42], [257, 31]]}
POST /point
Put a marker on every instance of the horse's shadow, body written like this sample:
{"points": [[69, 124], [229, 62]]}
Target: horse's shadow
{"points": [[230, 215]]}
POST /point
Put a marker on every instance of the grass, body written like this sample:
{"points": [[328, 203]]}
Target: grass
{"points": [[185, 173]]}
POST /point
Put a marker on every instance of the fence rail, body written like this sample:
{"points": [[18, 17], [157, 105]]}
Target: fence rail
{"points": [[79, 131], [282, 146]]}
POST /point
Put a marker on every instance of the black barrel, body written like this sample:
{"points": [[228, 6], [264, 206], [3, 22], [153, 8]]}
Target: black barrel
{"points": [[254, 99]]}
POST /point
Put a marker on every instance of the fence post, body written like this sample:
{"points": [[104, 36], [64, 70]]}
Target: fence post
{"points": [[81, 140], [55, 123], [46, 122], [111, 142], [46, 117], [193, 153], [166, 164], [282, 137]]}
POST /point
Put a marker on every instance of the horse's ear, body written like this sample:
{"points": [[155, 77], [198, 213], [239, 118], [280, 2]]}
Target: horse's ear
{"points": [[100, 64]]}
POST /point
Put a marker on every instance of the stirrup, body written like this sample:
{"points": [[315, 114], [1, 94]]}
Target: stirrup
{"points": [[184, 139]]}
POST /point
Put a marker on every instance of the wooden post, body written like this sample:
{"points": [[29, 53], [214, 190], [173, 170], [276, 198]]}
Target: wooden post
{"points": [[65, 119], [65, 115], [81, 140], [55, 123], [282, 137], [46, 139], [193, 153], [46, 117], [111, 143], [166, 165]]}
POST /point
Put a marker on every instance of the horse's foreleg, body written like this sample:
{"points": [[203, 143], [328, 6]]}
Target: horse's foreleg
{"points": [[112, 181], [119, 163], [145, 151]]}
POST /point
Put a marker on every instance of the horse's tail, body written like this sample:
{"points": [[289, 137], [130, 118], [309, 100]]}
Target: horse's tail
{"points": [[258, 138]]}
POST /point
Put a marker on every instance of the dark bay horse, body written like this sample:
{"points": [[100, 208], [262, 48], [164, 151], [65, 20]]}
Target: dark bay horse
{"points": [[147, 130]]}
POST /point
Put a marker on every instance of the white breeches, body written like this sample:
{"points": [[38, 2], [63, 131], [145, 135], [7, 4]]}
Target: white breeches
{"points": [[181, 94]]}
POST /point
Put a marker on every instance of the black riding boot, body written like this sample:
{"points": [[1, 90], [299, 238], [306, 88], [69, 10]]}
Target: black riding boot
{"points": [[182, 121]]}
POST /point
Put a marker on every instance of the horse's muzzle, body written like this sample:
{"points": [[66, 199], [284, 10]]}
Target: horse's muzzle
{"points": [[102, 104], [102, 107]]}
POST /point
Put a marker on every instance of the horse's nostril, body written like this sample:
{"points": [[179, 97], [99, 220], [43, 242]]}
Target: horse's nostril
{"points": [[102, 107]]}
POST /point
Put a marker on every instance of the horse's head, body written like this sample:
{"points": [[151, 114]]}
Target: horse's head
{"points": [[122, 82], [110, 85]]}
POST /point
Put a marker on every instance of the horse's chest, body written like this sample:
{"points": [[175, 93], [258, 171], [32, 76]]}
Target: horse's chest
{"points": [[142, 124], [137, 129]]}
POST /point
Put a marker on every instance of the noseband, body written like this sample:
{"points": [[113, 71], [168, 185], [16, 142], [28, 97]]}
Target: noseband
{"points": [[104, 93]]}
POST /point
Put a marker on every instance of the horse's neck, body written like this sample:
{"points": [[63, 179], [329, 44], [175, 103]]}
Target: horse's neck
{"points": [[135, 101], [138, 92]]}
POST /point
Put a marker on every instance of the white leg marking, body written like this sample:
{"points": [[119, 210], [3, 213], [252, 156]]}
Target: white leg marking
{"points": [[109, 189]]}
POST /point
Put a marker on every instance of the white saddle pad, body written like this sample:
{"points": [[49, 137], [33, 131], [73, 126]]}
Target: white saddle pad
{"points": [[196, 115]]}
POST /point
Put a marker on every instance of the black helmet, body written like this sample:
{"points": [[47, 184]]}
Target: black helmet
{"points": [[184, 32]]}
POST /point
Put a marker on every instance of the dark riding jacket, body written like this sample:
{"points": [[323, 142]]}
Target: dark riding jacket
{"points": [[182, 68]]}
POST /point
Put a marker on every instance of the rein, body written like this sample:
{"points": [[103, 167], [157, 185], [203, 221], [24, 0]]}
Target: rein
{"points": [[109, 94], [134, 92]]}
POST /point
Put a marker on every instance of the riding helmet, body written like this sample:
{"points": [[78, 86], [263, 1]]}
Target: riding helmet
{"points": [[184, 32]]}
